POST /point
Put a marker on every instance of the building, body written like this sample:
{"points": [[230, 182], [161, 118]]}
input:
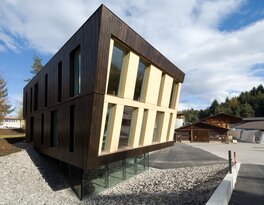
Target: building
{"points": [[11, 122], [213, 128], [103, 102], [180, 120]]}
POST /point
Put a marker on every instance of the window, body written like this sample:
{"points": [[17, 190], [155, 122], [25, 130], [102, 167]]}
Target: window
{"points": [[156, 134], [59, 81], [72, 129], [53, 129], [172, 96], [139, 81], [169, 127], [115, 69], [26, 103], [46, 91], [30, 103], [145, 116], [42, 129], [31, 137], [104, 143], [36, 96], [125, 127], [75, 72]]}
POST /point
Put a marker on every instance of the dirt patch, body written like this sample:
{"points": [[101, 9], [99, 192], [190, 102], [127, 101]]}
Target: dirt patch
{"points": [[12, 131], [6, 148]]}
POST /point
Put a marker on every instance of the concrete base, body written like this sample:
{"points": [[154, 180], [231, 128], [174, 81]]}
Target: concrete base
{"points": [[223, 193]]}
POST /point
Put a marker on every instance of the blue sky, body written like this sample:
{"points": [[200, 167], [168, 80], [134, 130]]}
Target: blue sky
{"points": [[218, 44]]}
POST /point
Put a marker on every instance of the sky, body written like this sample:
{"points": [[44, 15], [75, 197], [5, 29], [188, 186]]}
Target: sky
{"points": [[218, 44]]}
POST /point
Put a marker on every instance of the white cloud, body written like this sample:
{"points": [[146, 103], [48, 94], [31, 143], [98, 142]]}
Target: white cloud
{"points": [[217, 64]]}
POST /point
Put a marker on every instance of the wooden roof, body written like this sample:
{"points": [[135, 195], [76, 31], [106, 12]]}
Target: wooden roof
{"points": [[257, 125], [231, 119], [201, 125]]}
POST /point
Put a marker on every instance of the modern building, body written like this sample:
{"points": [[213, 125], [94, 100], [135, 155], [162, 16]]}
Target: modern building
{"points": [[103, 102]]}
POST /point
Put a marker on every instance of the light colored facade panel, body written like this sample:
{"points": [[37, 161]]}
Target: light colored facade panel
{"points": [[171, 128], [136, 127], [129, 75], [165, 90], [178, 90], [109, 61], [151, 85], [114, 127]]}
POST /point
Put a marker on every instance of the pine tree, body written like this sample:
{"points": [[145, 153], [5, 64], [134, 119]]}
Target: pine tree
{"points": [[5, 107], [36, 67]]}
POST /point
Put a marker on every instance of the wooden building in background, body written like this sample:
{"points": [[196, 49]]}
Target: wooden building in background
{"points": [[102, 102]]}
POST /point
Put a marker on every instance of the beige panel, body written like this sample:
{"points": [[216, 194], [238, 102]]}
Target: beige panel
{"points": [[129, 75], [151, 85], [165, 90], [171, 128], [163, 132], [114, 127], [102, 127], [178, 90], [109, 62], [136, 127], [148, 127]]}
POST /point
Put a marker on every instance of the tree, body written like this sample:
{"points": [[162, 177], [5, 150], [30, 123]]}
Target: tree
{"points": [[5, 107], [36, 67], [213, 107], [247, 111]]}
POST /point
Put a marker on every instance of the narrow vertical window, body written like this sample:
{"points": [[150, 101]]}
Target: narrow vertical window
{"points": [[31, 137], [46, 91], [59, 81], [157, 127], [72, 129], [169, 127], [53, 129], [75, 72], [36, 93], [139, 81], [42, 130], [104, 143], [145, 116], [126, 125], [172, 96], [115, 69], [30, 103], [26, 103]]}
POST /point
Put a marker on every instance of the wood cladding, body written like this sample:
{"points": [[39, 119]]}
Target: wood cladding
{"points": [[79, 117]]}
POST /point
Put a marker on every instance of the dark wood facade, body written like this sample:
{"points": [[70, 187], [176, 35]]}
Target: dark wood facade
{"points": [[93, 39]]}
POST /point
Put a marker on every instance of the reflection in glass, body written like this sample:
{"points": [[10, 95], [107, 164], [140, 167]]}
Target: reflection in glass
{"points": [[139, 81], [126, 125], [157, 127], [115, 70], [109, 109], [172, 96]]}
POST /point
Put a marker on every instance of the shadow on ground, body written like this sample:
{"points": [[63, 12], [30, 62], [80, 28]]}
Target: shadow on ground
{"points": [[48, 168]]}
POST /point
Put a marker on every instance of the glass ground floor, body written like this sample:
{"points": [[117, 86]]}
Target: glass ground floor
{"points": [[88, 183]]}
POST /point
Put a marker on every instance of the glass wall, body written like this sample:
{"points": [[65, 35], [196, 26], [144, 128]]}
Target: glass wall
{"points": [[115, 69], [172, 96], [139, 81], [125, 127]]}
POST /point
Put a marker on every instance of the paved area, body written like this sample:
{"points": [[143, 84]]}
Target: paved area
{"points": [[247, 153], [249, 188], [182, 155]]}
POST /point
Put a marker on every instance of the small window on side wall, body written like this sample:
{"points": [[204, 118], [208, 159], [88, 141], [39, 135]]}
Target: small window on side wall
{"points": [[173, 95], [75, 72], [115, 70]]}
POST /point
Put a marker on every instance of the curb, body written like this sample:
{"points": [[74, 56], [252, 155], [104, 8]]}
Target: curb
{"points": [[223, 193]]}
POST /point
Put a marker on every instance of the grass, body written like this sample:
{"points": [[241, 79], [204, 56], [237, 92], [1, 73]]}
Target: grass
{"points": [[12, 136]]}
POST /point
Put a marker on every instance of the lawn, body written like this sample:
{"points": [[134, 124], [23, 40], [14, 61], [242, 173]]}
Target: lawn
{"points": [[12, 136]]}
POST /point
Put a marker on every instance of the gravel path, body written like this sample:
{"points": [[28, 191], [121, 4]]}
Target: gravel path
{"points": [[22, 182]]}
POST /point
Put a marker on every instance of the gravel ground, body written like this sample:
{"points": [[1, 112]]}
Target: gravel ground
{"points": [[27, 177]]}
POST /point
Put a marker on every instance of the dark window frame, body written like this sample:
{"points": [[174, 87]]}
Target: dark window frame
{"points": [[59, 81], [75, 81]]}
